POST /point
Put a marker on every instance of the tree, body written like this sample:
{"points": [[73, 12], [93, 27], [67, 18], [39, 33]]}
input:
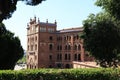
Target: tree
{"points": [[7, 7], [111, 6], [102, 39], [10, 49]]}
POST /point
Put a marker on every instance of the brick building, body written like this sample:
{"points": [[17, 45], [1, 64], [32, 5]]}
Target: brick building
{"points": [[48, 47]]}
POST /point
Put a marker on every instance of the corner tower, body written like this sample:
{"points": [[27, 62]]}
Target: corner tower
{"points": [[41, 43]]}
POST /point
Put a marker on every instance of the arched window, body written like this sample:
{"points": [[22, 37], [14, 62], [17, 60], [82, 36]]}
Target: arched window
{"points": [[69, 56], [51, 38], [58, 47], [35, 38], [60, 56], [50, 47], [50, 57], [77, 36], [75, 47], [28, 47], [65, 56], [79, 47], [69, 47], [65, 47], [75, 57], [36, 47], [65, 38], [79, 57]]}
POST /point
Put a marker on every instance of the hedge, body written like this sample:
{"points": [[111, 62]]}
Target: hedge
{"points": [[61, 74]]}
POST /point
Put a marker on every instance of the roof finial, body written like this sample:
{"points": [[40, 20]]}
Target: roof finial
{"points": [[27, 24], [55, 22], [46, 20], [35, 17], [30, 19], [38, 20]]}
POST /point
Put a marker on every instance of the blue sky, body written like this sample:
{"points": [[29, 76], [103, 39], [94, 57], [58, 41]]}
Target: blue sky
{"points": [[67, 13]]}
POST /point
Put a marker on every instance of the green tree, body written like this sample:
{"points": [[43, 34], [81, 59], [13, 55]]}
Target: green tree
{"points": [[22, 60], [10, 49], [102, 39], [7, 7], [111, 6]]}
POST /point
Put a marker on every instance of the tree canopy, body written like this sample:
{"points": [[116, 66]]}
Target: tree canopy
{"points": [[102, 39], [10, 48], [111, 6], [7, 7]]}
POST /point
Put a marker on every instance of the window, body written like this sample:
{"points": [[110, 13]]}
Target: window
{"points": [[79, 47], [75, 57], [28, 47], [50, 38], [69, 56], [36, 47], [42, 29], [36, 29], [65, 38], [50, 29], [78, 56], [31, 47], [69, 38], [65, 56], [50, 47], [50, 57], [35, 38], [65, 47], [60, 56], [75, 47], [60, 47], [57, 56], [77, 37], [69, 47]]}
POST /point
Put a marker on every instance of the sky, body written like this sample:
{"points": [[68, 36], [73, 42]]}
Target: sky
{"points": [[67, 13]]}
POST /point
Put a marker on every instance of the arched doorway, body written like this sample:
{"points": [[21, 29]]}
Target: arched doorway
{"points": [[67, 66]]}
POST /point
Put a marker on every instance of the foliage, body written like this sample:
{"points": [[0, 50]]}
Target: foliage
{"points": [[22, 60], [7, 7], [10, 48], [111, 6], [61, 74], [102, 39]]}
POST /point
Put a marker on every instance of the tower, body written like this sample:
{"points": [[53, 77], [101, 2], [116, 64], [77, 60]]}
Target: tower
{"points": [[40, 44]]}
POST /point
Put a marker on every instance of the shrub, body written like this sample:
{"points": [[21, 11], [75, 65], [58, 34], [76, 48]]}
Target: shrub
{"points": [[61, 74]]}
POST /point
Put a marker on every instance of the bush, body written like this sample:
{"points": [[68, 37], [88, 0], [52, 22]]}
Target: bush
{"points": [[61, 74]]}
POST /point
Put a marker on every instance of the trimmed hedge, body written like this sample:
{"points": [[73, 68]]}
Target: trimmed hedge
{"points": [[61, 74]]}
